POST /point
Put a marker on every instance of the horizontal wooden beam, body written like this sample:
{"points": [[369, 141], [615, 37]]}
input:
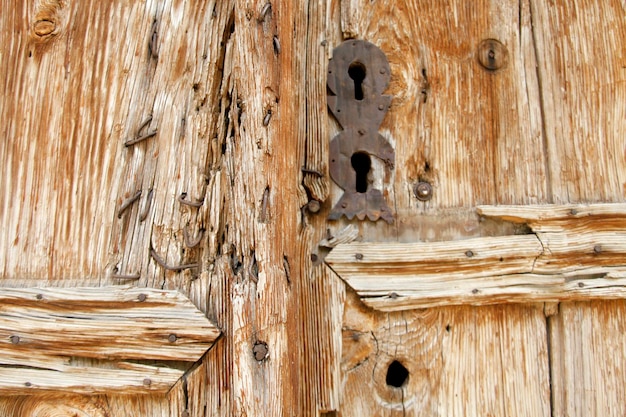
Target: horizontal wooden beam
{"points": [[576, 253], [46, 332]]}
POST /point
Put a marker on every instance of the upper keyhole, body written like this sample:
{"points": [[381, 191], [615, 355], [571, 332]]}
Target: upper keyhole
{"points": [[362, 164], [356, 71]]}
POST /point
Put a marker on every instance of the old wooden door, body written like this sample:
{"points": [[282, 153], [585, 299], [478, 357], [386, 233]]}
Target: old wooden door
{"points": [[165, 241]]}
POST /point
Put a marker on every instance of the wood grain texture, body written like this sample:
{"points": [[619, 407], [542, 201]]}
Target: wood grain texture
{"points": [[460, 361], [46, 330], [228, 98], [581, 67], [576, 254]]}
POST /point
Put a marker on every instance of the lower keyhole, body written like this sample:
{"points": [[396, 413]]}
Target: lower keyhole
{"points": [[362, 164]]}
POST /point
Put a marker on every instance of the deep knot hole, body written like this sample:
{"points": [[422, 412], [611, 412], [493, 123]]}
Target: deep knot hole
{"points": [[362, 163], [397, 375], [356, 71]]}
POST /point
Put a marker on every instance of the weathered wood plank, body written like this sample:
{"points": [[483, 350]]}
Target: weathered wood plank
{"points": [[571, 263], [44, 330], [139, 379], [459, 361], [582, 70], [104, 322]]}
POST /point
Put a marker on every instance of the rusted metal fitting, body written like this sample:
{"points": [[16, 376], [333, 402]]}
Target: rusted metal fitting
{"points": [[423, 191], [492, 54]]}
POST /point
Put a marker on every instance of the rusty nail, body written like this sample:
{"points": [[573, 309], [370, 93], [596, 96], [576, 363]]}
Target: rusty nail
{"points": [[492, 54], [127, 203], [266, 8], [597, 248], [154, 38], [143, 124], [266, 119], [14, 339], [172, 338], [167, 267], [314, 206], [260, 351], [312, 171], [142, 297], [314, 257], [144, 213], [181, 199], [423, 191], [126, 276], [188, 241], [28, 384], [469, 253], [358, 256], [147, 381], [475, 291], [39, 296], [276, 45], [140, 138]]}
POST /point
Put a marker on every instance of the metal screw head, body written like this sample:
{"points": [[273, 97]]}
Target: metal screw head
{"points": [[492, 54], [423, 191]]}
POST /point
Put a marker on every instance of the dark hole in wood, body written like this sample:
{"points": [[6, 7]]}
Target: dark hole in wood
{"points": [[362, 164], [397, 375], [356, 71]]}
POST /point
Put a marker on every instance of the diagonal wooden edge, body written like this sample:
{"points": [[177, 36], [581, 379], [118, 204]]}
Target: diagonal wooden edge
{"points": [[92, 340], [578, 252]]}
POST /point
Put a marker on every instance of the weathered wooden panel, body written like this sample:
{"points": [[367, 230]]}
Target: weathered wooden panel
{"points": [[45, 332], [475, 135], [457, 361], [576, 253], [581, 66]]}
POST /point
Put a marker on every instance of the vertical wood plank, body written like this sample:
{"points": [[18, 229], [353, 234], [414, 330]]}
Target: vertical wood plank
{"points": [[476, 136], [581, 65]]}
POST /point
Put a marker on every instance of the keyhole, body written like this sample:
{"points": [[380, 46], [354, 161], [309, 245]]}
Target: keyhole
{"points": [[361, 163], [356, 71]]}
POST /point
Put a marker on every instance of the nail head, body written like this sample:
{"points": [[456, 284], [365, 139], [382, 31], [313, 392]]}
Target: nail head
{"points": [[492, 54], [14, 339], [423, 191], [314, 206], [142, 297], [172, 338]]}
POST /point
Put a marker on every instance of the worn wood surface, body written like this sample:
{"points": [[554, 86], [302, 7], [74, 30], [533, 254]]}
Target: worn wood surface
{"points": [[229, 101], [46, 332], [575, 253], [583, 101]]}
